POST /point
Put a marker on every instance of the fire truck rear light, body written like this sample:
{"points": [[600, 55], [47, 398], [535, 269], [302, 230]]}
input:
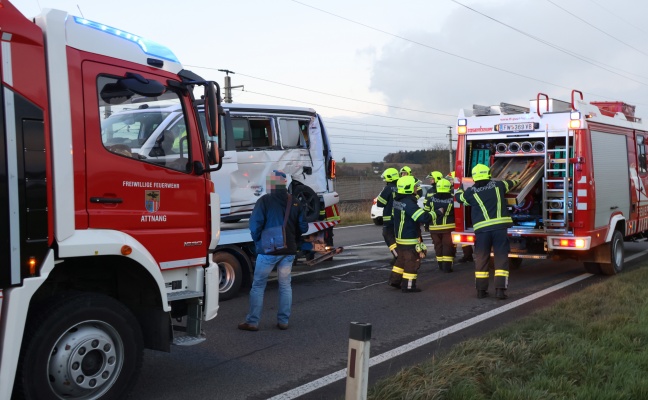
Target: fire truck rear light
{"points": [[570, 243], [580, 243], [462, 122], [126, 250], [574, 124], [456, 238], [575, 115], [461, 130], [32, 266], [471, 239]]}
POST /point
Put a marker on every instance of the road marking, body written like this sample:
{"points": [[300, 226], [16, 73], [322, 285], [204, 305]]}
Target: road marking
{"points": [[363, 244], [352, 226], [341, 374], [325, 269]]}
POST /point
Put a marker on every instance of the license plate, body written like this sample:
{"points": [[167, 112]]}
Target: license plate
{"points": [[521, 127]]}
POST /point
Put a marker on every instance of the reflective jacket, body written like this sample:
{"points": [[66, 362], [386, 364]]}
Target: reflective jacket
{"points": [[441, 221], [385, 200], [407, 218], [488, 205], [269, 211]]}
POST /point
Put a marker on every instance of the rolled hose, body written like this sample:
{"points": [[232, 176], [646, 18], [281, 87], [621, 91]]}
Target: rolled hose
{"points": [[514, 147], [526, 147], [501, 147], [539, 146]]}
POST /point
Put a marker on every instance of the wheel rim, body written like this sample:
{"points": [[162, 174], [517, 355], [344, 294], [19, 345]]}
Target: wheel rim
{"points": [[618, 254], [85, 361], [227, 276]]}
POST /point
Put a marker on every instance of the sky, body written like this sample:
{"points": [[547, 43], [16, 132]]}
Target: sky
{"points": [[389, 76]]}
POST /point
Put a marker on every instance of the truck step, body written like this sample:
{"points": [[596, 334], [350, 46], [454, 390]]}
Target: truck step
{"points": [[183, 294], [188, 340]]}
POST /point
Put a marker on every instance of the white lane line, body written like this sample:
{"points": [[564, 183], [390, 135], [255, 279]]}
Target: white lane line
{"points": [[363, 244], [325, 269], [341, 374], [352, 226]]}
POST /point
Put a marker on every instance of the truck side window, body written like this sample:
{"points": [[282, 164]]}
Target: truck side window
{"points": [[148, 129], [641, 154], [292, 132]]}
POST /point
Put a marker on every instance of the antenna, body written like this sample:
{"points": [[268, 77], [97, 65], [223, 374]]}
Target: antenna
{"points": [[81, 12]]}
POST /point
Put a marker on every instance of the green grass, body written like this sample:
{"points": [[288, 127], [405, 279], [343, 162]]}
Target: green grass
{"points": [[355, 213], [592, 345]]}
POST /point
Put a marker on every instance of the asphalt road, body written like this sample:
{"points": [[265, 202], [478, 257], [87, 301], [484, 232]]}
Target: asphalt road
{"points": [[308, 360]]}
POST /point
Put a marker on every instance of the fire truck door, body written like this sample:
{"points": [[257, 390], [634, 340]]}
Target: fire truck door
{"points": [[611, 176], [161, 204]]}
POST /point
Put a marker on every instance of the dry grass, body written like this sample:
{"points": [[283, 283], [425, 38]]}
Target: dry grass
{"points": [[355, 213]]}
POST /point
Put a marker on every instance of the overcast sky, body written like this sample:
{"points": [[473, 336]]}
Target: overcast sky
{"points": [[389, 75]]}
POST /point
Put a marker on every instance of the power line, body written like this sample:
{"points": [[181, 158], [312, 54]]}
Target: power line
{"points": [[432, 135], [597, 28], [619, 17], [381, 126], [344, 109], [556, 47], [443, 51]]}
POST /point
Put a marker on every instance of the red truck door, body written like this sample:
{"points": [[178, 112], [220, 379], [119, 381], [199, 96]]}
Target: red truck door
{"points": [[156, 200]]}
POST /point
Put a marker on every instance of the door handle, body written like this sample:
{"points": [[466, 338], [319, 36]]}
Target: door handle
{"points": [[614, 207], [106, 200]]}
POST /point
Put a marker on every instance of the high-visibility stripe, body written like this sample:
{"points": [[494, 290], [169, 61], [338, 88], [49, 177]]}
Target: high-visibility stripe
{"points": [[387, 218], [501, 272], [499, 203], [407, 241], [408, 276], [494, 221], [481, 275], [381, 200], [441, 227], [482, 206], [397, 270], [392, 246], [400, 226], [417, 214]]}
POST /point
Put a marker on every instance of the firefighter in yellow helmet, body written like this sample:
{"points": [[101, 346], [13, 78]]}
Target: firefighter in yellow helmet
{"points": [[385, 200], [490, 219], [405, 171], [441, 209], [407, 218], [466, 249]]}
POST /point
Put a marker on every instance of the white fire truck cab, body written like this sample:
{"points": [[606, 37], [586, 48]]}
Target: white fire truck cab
{"points": [[102, 252], [582, 169]]}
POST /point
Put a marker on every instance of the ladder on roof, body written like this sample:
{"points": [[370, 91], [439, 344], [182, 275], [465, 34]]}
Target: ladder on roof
{"points": [[557, 195]]}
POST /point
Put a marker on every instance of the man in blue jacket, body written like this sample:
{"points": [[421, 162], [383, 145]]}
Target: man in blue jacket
{"points": [[269, 211]]}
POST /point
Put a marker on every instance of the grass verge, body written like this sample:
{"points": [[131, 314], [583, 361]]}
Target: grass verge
{"points": [[591, 345], [355, 213]]}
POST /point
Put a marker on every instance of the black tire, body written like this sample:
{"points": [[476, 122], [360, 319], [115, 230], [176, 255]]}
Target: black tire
{"points": [[515, 263], [593, 268], [231, 275], [378, 221], [616, 255], [80, 346], [309, 201]]}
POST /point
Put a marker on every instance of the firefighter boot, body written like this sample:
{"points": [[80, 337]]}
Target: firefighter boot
{"points": [[501, 294], [481, 294], [409, 286], [396, 277], [447, 266]]}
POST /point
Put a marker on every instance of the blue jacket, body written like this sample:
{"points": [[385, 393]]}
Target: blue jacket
{"points": [[269, 211]]}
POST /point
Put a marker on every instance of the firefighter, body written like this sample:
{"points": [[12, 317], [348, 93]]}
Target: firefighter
{"points": [[407, 218], [405, 171], [385, 200], [434, 177], [442, 224], [466, 249], [490, 219]]}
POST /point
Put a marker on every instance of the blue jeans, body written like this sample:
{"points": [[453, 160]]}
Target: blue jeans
{"points": [[264, 265]]}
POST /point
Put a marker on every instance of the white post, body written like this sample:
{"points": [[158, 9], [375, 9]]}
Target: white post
{"points": [[358, 362]]}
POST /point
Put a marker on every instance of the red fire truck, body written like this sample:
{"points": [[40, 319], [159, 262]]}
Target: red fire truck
{"points": [[583, 176], [103, 252]]}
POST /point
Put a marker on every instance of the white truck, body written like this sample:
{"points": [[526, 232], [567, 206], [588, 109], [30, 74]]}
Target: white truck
{"points": [[257, 140]]}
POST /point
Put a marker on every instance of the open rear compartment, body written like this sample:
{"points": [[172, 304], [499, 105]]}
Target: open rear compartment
{"points": [[541, 202]]}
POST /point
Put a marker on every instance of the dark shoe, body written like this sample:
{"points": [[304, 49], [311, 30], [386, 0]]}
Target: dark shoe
{"points": [[482, 294], [501, 294], [413, 290], [281, 326], [244, 326]]}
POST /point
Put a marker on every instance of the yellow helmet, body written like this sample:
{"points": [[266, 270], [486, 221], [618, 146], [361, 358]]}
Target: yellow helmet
{"points": [[390, 175], [436, 175], [480, 172], [406, 185], [406, 170], [443, 186]]}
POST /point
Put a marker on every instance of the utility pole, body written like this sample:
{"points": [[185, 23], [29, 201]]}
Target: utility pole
{"points": [[450, 148], [228, 86]]}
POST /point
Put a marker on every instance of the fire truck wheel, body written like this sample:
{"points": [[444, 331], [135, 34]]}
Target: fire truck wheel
{"points": [[80, 346], [616, 255], [515, 263], [231, 275], [309, 201]]}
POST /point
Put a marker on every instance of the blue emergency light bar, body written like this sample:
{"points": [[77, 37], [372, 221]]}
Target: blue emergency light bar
{"points": [[148, 46]]}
